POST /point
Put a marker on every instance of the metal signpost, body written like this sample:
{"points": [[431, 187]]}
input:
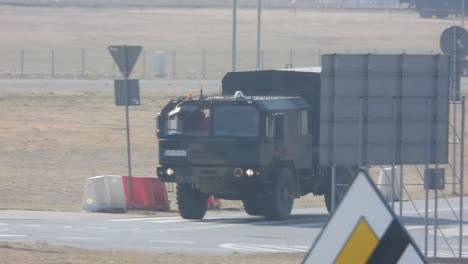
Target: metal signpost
{"points": [[234, 34], [259, 31], [454, 42], [126, 93]]}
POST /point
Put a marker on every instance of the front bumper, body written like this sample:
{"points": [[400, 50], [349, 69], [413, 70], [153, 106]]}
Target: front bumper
{"points": [[211, 174]]}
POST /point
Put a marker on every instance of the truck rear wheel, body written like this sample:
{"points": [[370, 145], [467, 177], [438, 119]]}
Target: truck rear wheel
{"points": [[280, 205], [191, 202], [253, 204], [343, 179]]}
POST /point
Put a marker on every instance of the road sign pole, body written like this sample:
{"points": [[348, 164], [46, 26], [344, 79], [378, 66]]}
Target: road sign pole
{"points": [[125, 58], [127, 121], [234, 35]]}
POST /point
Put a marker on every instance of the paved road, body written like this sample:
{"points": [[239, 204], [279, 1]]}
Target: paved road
{"points": [[217, 234]]}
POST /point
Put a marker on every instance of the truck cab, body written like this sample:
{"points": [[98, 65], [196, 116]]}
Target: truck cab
{"points": [[249, 148]]}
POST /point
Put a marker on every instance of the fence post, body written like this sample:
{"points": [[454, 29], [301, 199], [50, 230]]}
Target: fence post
{"points": [[319, 56], [204, 64], [113, 69], [52, 63], [291, 57], [143, 62], [22, 63], [263, 59], [174, 72], [83, 63]]}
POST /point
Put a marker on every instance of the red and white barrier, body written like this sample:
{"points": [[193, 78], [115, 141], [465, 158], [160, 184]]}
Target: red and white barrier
{"points": [[110, 193], [214, 203]]}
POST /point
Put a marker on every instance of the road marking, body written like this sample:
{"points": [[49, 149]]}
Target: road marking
{"points": [[110, 230], [172, 241], [3, 224], [32, 225], [80, 238], [6, 235], [142, 219], [97, 227], [129, 229], [192, 228], [64, 227], [167, 221], [264, 248]]}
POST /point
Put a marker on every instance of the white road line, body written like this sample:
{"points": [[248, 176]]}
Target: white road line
{"points": [[3, 224], [167, 221], [64, 227], [129, 229], [97, 227], [6, 235], [172, 241], [142, 219], [32, 225], [80, 238], [192, 228], [264, 248]]}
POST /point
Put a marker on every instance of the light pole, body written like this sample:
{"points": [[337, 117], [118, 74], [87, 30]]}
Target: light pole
{"points": [[259, 29], [234, 34]]}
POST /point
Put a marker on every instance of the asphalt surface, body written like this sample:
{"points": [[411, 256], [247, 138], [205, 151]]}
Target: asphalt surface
{"points": [[218, 233]]}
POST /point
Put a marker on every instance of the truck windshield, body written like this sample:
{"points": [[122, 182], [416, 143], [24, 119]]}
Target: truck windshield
{"points": [[240, 121], [189, 120], [193, 120]]}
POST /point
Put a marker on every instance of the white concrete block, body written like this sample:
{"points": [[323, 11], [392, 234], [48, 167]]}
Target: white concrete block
{"points": [[385, 184], [103, 193]]}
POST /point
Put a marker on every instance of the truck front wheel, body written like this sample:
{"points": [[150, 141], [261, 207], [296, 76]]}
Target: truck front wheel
{"points": [[344, 176], [191, 202], [254, 204], [280, 205]]}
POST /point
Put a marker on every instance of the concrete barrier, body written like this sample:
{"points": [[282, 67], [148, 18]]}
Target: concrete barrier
{"points": [[103, 194]]}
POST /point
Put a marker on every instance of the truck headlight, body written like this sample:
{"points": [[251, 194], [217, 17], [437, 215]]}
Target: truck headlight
{"points": [[170, 171], [249, 172]]}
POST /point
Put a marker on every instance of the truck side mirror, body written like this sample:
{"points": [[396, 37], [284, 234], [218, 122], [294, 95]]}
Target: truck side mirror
{"points": [[158, 125], [279, 126]]}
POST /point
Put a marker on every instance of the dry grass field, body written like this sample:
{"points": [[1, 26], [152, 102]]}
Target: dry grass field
{"points": [[43, 253], [52, 138]]}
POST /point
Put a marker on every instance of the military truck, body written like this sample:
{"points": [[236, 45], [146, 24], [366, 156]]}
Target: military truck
{"points": [[258, 142], [438, 8]]}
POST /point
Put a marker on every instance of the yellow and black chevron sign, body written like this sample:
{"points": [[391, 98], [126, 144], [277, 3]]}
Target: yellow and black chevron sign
{"points": [[364, 230]]}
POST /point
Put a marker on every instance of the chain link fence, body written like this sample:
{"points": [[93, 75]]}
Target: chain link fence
{"points": [[156, 63]]}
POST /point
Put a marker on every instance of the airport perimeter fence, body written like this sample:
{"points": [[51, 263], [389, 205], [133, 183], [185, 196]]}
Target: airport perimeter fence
{"points": [[157, 63], [373, 4]]}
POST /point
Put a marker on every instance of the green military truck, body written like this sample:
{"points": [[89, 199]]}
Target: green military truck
{"points": [[437, 8], [258, 142]]}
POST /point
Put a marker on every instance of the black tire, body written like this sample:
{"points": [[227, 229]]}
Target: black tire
{"points": [[279, 206], [191, 202], [426, 14], [253, 204], [344, 178]]}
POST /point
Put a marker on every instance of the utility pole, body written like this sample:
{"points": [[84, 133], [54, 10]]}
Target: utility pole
{"points": [[259, 29], [234, 34]]}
